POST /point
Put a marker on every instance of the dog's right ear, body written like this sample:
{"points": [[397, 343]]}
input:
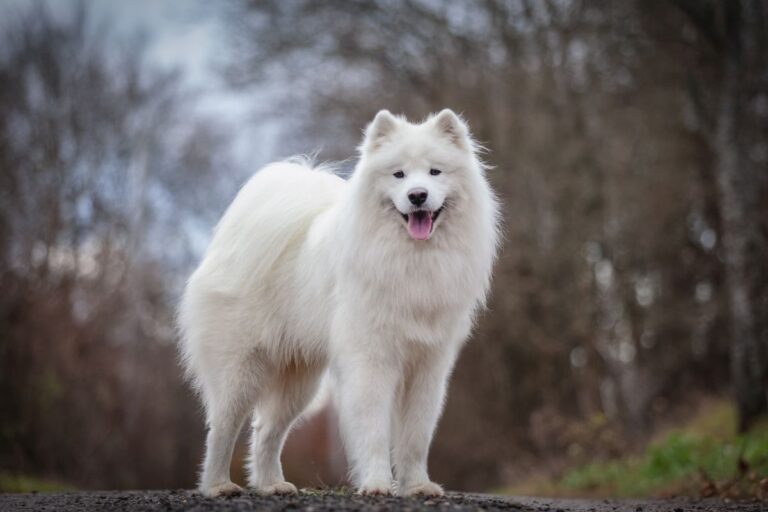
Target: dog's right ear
{"points": [[380, 128]]}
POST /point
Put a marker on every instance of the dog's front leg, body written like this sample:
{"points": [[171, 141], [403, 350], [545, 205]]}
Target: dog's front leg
{"points": [[419, 410], [366, 389]]}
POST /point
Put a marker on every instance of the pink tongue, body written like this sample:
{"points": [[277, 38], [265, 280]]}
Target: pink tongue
{"points": [[419, 225]]}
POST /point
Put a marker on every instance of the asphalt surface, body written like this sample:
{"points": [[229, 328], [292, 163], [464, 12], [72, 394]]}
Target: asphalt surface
{"points": [[319, 501]]}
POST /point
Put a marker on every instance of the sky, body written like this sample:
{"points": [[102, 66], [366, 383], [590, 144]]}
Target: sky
{"points": [[191, 35], [188, 35], [184, 34]]}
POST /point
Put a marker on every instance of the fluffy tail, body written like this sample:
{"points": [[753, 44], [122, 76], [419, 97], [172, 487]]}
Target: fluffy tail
{"points": [[321, 400]]}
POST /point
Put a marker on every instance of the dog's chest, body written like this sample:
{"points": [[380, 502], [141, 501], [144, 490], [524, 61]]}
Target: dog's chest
{"points": [[420, 296]]}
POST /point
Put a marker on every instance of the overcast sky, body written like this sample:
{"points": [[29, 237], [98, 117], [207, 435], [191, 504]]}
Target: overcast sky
{"points": [[189, 35], [185, 34]]}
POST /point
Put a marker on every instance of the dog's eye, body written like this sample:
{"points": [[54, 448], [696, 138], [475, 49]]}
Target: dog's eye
{"points": [[435, 172], [399, 174]]}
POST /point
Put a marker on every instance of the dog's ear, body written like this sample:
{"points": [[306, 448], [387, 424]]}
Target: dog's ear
{"points": [[380, 128], [453, 128]]}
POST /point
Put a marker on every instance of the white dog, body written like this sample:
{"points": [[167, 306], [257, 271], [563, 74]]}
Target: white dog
{"points": [[376, 279]]}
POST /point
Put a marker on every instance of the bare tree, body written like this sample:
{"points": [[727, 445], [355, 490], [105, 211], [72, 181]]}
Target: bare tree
{"points": [[607, 295], [103, 169], [728, 94]]}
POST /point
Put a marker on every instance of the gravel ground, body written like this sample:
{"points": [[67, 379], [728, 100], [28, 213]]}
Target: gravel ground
{"points": [[319, 501]]}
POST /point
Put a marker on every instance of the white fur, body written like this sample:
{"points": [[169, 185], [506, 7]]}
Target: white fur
{"points": [[307, 272]]}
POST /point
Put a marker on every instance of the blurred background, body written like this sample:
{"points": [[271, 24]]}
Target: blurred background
{"points": [[625, 349]]}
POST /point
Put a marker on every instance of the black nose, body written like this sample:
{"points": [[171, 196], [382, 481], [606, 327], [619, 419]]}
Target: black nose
{"points": [[417, 196]]}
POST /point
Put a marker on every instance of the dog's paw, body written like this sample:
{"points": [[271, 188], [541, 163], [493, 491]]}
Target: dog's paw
{"points": [[423, 489], [277, 488], [224, 489], [377, 488]]}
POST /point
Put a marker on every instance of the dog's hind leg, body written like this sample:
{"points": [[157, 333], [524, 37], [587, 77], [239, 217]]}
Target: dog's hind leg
{"points": [[229, 397], [276, 410]]}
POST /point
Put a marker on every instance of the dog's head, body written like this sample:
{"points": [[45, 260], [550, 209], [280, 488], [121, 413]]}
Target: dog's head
{"points": [[418, 172]]}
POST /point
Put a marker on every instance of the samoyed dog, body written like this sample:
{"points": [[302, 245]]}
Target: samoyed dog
{"points": [[374, 281]]}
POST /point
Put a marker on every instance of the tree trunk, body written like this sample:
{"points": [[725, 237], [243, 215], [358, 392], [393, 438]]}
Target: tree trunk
{"points": [[740, 239]]}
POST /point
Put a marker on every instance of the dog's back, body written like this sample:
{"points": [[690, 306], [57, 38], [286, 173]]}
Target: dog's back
{"points": [[248, 280]]}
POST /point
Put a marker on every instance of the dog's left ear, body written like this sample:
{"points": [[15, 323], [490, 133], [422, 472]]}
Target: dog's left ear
{"points": [[453, 128]]}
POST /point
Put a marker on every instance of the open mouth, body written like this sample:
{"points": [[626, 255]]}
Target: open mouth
{"points": [[420, 222]]}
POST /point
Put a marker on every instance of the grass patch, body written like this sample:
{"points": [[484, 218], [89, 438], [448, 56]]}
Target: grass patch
{"points": [[21, 483], [704, 457]]}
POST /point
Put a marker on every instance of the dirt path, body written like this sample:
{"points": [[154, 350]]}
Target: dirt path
{"points": [[319, 501]]}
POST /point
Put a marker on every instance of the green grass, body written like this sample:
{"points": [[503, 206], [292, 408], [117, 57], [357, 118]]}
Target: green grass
{"points": [[22, 483], [706, 452]]}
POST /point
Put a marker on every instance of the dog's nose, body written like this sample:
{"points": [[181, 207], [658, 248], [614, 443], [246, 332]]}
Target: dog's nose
{"points": [[417, 196]]}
